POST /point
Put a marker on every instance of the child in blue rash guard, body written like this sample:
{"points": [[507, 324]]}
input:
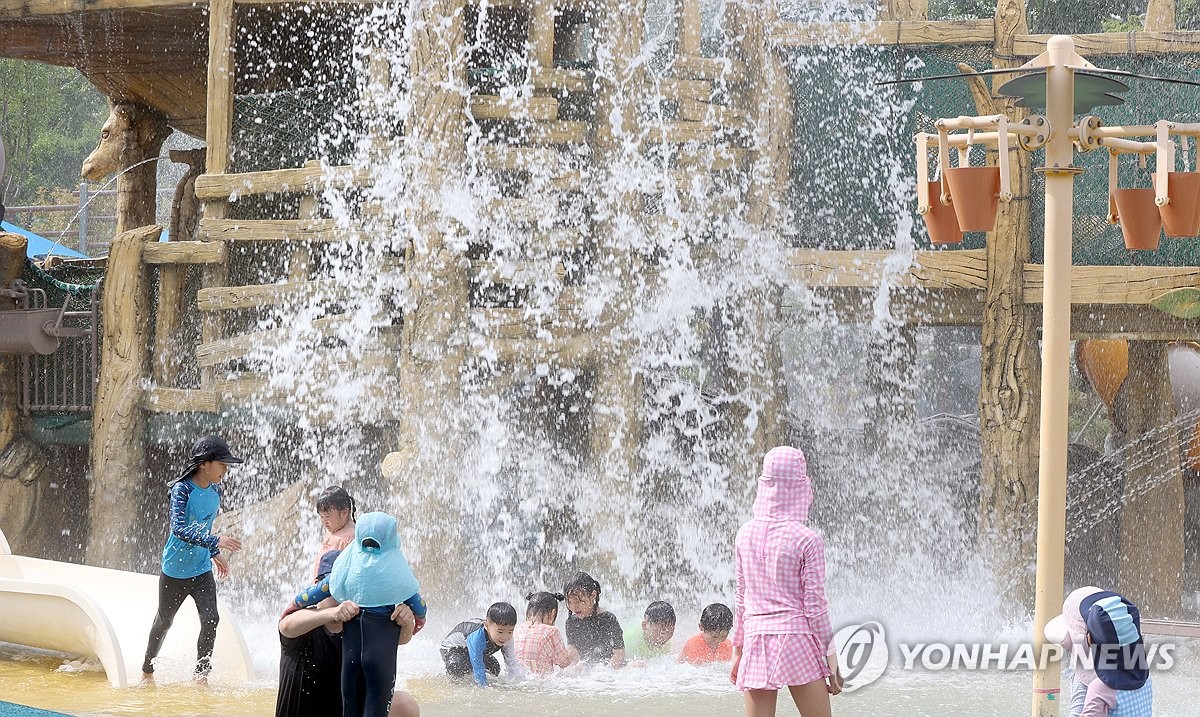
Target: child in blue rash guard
{"points": [[192, 551], [318, 591], [471, 646], [373, 573]]}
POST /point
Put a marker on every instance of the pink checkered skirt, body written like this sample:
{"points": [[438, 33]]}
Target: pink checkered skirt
{"points": [[773, 662]]}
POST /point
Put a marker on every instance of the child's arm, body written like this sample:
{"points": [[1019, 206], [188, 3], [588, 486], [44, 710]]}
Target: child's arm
{"points": [[303, 622], [739, 593], [194, 534], [563, 657], [402, 615], [1100, 699], [476, 643], [816, 607], [512, 665], [416, 603], [313, 594]]}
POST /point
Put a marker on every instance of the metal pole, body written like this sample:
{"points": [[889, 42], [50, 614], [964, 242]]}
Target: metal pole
{"points": [[83, 209], [1056, 336]]}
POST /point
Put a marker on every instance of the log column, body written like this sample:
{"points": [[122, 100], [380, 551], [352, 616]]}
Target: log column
{"points": [[769, 103], [12, 259], [1160, 16], [118, 451], [222, 28], [904, 10], [1150, 572], [435, 316], [1009, 394]]}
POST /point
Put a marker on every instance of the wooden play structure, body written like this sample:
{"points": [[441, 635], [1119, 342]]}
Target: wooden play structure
{"points": [[717, 117]]}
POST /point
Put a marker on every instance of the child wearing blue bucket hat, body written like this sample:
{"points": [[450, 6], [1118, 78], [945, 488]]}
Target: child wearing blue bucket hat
{"points": [[1122, 687], [373, 573]]}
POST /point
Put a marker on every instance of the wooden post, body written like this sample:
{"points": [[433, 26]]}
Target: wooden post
{"points": [[172, 278], [1152, 504], [432, 353], [222, 25], [1160, 15], [891, 376], [12, 260], [541, 32], [137, 188], [118, 450], [904, 10], [688, 30], [769, 104], [1009, 394]]}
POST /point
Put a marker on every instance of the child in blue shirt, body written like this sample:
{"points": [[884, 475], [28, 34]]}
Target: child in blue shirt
{"points": [[192, 551], [471, 646], [373, 573]]}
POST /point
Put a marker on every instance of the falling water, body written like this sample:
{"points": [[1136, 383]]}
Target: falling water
{"points": [[572, 360]]}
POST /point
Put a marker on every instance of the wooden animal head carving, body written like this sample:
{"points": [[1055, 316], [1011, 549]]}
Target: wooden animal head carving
{"points": [[131, 134]]}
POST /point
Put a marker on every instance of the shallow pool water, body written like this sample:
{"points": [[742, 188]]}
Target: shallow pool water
{"points": [[659, 689]]}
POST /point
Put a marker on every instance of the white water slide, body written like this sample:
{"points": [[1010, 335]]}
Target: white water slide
{"points": [[106, 614]]}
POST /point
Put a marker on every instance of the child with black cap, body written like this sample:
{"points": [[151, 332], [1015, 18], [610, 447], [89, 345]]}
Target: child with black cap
{"points": [[192, 551]]}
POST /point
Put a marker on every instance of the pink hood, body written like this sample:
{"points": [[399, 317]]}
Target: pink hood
{"points": [[784, 491]]}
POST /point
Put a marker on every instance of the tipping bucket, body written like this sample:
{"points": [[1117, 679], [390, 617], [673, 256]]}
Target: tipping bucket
{"points": [[1181, 215], [976, 195], [941, 219], [23, 332], [1141, 223]]}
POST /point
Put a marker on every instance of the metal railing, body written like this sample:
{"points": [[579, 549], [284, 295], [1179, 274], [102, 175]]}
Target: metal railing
{"points": [[65, 381]]}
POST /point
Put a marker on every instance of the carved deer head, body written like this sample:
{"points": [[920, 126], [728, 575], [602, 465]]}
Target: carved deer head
{"points": [[131, 134]]}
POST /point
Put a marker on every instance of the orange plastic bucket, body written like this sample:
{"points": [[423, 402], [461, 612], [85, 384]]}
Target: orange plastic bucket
{"points": [[1181, 216], [976, 193], [941, 219], [1141, 224]]}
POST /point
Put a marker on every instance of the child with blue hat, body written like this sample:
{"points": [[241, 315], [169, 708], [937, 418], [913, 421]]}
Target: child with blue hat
{"points": [[1122, 687], [373, 573]]}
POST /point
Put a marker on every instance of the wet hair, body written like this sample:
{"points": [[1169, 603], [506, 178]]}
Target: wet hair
{"points": [[582, 582], [660, 612], [501, 613], [716, 618], [542, 603], [335, 498]]}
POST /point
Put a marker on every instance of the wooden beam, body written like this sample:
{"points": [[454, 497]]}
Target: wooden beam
{"points": [[513, 157], [681, 133], [1116, 43], [965, 269], [1116, 284], [278, 181], [675, 89], [272, 230], [180, 400], [560, 78], [494, 107], [1131, 322], [33, 8], [710, 68], [904, 10], [185, 252], [231, 349], [915, 32], [229, 298]]}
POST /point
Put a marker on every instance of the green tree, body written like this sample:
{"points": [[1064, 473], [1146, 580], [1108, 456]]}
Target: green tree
{"points": [[50, 120]]}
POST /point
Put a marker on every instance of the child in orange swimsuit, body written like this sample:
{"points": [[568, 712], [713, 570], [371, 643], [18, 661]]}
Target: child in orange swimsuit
{"points": [[712, 644]]}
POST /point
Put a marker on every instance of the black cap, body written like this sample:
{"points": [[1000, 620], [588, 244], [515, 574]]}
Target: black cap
{"points": [[208, 448]]}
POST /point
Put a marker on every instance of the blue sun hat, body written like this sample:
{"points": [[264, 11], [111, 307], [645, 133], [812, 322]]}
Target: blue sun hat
{"points": [[1118, 650], [372, 571]]}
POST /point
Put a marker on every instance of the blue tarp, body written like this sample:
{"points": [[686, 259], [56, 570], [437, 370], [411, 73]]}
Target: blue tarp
{"points": [[39, 245]]}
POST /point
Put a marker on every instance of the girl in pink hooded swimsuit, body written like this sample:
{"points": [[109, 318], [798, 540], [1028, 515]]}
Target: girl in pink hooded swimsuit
{"points": [[782, 635]]}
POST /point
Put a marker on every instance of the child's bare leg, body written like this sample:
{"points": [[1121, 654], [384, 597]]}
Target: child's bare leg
{"points": [[761, 703], [811, 699]]}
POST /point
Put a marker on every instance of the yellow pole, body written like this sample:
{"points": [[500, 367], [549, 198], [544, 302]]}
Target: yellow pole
{"points": [[1056, 336]]}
